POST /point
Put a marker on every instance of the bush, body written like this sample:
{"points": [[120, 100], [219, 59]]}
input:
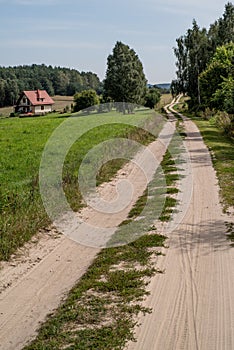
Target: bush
{"points": [[208, 113], [225, 122], [13, 115], [85, 99]]}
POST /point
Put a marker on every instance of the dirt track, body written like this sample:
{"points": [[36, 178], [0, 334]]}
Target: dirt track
{"points": [[192, 302], [34, 284]]}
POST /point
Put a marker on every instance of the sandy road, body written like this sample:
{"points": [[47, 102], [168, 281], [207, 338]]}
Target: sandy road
{"points": [[193, 302], [34, 284]]}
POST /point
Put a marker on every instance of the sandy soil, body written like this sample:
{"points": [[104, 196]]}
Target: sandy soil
{"points": [[35, 281], [192, 302]]}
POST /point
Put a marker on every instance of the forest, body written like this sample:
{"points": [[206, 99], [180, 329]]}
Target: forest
{"points": [[55, 80]]}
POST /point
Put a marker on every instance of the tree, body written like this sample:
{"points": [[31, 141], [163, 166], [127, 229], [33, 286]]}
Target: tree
{"points": [[2, 93], [85, 99], [224, 96], [195, 50], [125, 80], [182, 66], [152, 97], [175, 88], [225, 32], [192, 56], [216, 81]]}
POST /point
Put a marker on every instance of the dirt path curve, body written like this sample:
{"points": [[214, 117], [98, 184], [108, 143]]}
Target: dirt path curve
{"points": [[193, 302], [34, 282]]}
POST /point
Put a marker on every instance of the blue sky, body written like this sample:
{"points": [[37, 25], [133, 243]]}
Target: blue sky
{"points": [[81, 34]]}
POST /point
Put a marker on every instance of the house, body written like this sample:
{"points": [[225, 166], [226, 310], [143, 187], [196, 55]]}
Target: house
{"points": [[36, 102]]}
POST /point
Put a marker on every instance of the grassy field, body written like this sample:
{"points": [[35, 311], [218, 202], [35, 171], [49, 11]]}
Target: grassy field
{"points": [[164, 100], [61, 102], [22, 143]]}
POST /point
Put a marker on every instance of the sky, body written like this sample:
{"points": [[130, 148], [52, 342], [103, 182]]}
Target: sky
{"points": [[81, 34]]}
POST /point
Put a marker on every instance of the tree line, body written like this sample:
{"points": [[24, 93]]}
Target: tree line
{"points": [[55, 80], [205, 64]]}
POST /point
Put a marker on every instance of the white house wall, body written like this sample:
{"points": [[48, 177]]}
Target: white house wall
{"points": [[38, 110]]}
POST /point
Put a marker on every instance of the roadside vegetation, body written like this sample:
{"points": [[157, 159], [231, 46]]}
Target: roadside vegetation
{"points": [[204, 60]]}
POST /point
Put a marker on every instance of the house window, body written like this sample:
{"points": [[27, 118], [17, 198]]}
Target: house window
{"points": [[24, 100], [42, 108]]}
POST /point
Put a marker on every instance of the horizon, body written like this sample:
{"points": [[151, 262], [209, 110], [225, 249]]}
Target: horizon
{"points": [[80, 35], [148, 83]]}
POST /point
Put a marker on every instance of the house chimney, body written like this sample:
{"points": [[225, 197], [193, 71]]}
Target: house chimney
{"points": [[38, 95]]}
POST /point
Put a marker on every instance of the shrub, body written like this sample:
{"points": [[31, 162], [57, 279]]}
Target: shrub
{"points": [[225, 122]]}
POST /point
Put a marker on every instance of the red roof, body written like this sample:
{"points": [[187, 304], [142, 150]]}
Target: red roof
{"points": [[38, 97]]}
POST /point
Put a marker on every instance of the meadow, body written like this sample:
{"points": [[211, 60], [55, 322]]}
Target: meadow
{"points": [[22, 142]]}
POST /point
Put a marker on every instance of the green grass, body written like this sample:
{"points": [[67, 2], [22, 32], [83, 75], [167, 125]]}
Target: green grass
{"points": [[99, 312], [22, 142], [171, 176]]}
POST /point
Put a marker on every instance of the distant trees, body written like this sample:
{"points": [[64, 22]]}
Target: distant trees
{"points": [[125, 79], [85, 99], [194, 53], [152, 97], [55, 80]]}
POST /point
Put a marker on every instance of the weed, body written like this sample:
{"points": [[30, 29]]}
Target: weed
{"points": [[100, 310]]}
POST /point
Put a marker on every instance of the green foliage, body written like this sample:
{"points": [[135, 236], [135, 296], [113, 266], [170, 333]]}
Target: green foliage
{"points": [[86, 99], [194, 51], [216, 81], [55, 80], [152, 97], [125, 80], [224, 96]]}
